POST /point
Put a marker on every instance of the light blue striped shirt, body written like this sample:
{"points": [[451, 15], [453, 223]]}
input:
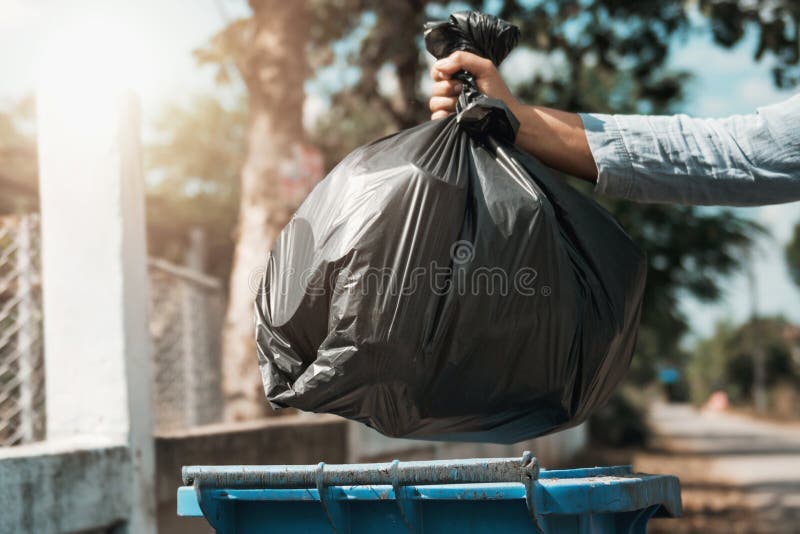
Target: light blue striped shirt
{"points": [[743, 160]]}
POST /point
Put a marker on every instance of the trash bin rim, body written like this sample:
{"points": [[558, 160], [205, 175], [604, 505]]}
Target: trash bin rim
{"points": [[568, 492]]}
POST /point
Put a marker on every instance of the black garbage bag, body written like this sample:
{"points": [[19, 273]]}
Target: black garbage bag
{"points": [[440, 283]]}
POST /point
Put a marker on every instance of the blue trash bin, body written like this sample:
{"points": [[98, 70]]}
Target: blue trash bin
{"points": [[495, 495]]}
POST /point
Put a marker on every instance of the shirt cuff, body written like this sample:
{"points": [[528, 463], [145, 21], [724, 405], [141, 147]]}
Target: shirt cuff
{"points": [[611, 155]]}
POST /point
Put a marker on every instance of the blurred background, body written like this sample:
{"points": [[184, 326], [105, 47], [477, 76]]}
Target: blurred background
{"points": [[243, 108]]}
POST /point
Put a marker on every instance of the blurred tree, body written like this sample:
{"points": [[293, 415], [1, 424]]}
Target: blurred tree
{"points": [[603, 55], [724, 361], [268, 50], [793, 255], [18, 166]]}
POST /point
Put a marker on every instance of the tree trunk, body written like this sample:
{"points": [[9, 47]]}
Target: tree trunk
{"points": [[274, 68]]}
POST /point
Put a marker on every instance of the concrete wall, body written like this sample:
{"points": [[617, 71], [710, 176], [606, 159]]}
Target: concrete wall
{"points": [[65, 486], [293, 439]]}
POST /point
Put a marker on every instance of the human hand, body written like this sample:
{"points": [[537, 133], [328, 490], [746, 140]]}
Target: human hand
{"points": [[445, 91]]}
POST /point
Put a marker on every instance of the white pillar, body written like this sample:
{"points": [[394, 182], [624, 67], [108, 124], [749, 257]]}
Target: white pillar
{"points": [[94, 275]]}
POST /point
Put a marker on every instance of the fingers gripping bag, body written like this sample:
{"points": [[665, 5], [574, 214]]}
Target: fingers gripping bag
{"points": [[440, 283]]}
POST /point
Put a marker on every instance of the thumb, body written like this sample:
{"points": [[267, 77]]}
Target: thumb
{"points": [[460, 60]]}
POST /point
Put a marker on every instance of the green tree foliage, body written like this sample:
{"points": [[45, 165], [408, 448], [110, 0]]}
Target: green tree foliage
{"points": [[607, 55], [690, 252], [193, 181], [793, 255], [778, 26], [18, 166]]}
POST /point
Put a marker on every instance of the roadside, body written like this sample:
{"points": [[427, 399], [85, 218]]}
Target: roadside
{"points": [[738, 474]]}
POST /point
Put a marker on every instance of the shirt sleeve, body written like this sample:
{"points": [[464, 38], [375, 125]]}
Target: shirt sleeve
{"points": [[743, 160]]}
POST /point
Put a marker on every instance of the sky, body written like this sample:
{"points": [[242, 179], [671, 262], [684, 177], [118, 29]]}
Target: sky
{"points": [[164, 34]]}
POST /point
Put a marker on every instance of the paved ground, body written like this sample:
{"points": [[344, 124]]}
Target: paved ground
{"points": [[737, 474]]}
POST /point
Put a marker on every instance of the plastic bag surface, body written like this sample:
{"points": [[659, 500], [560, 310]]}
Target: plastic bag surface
{"points": [[440, 283]]}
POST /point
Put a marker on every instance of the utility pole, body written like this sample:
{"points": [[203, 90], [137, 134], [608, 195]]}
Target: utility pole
{"points": [[759, 371]]}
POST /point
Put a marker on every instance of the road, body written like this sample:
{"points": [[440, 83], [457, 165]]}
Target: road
{"points": [[737, 474]]}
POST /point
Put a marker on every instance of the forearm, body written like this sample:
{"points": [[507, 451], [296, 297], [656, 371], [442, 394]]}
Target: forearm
{"points": [[557, 138], [744, 160]]}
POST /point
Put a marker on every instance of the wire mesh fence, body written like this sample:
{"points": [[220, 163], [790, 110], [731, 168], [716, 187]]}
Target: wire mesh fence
{"points": [[22, 414], [186, 313]]}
